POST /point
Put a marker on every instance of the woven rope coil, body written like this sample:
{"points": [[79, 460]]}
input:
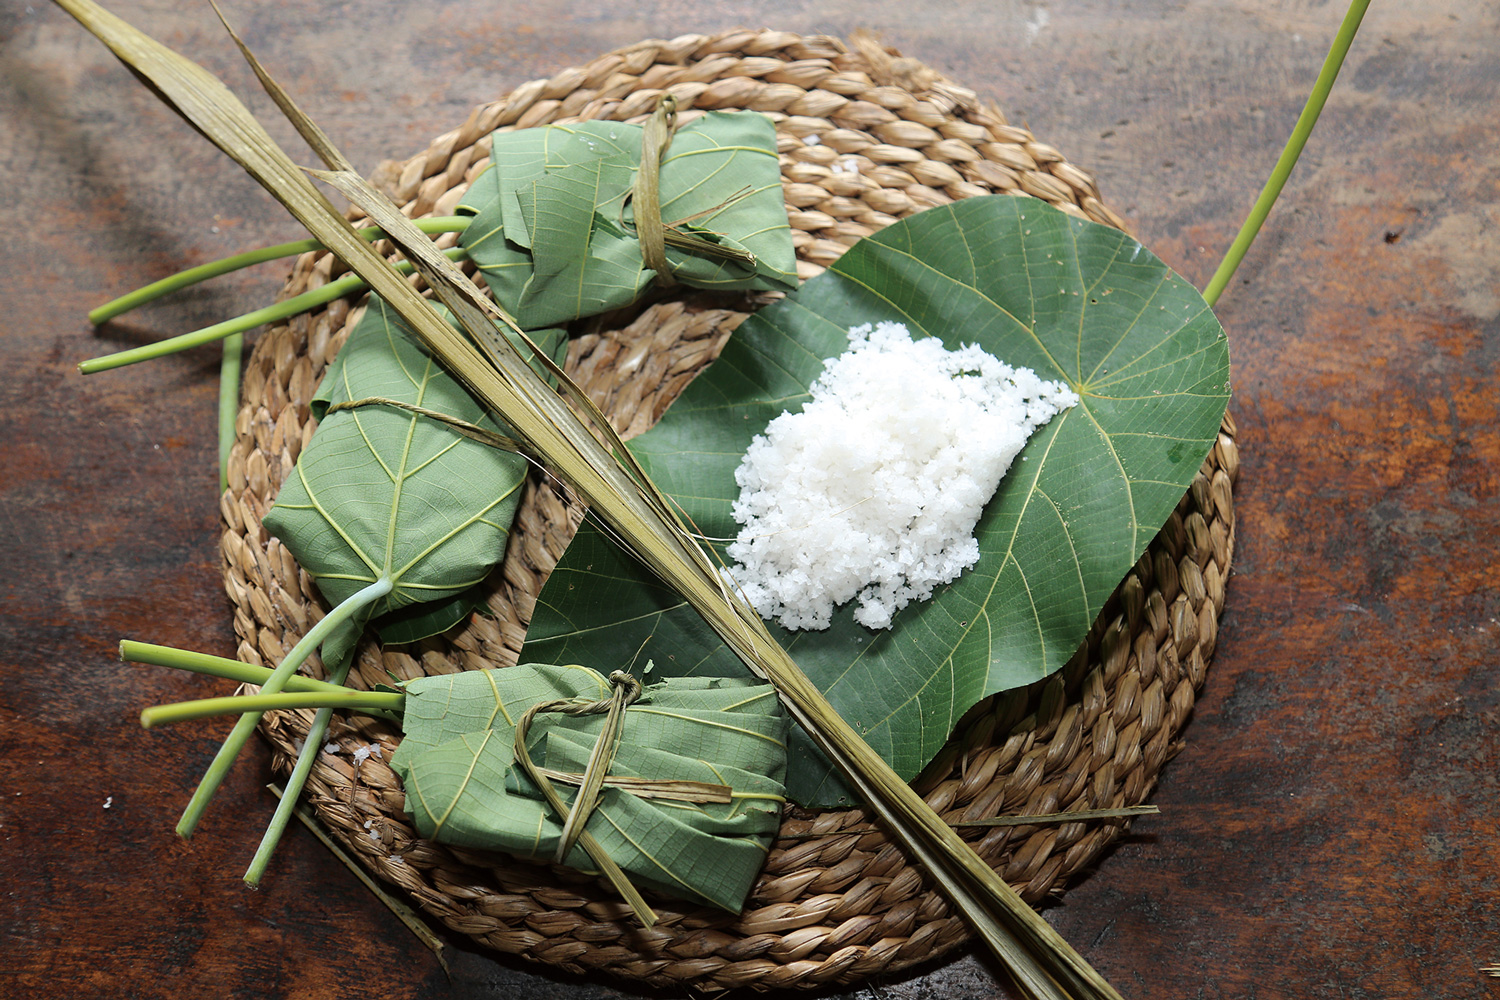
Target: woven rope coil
{"points": [[831, 908]]}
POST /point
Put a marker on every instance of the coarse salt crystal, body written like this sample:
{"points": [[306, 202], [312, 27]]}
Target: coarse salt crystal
{"points": [[364, 753], [873, 489]]}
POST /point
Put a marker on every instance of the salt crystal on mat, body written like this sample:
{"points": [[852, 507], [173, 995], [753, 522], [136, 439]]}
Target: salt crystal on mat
{"points": [[873, 489]]}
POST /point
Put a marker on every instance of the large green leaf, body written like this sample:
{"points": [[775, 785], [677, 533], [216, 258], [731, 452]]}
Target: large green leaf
{"points": [[456, 764], [1072, 300], [553, 233], [387, 492]]}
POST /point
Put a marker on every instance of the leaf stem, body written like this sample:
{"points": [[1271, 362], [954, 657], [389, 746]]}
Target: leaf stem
{"points": [[311, 746], [348, 284], [214, 666], [1309, 117], [202, 708], [247, 673], [229, 400], [238, 736], [213, 269]]}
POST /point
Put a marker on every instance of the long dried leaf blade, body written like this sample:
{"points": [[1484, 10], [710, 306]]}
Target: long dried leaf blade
{"points": [[310, 131]]}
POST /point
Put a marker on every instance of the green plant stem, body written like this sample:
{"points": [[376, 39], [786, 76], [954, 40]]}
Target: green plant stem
{"points": [[311, 746], [347, 284], [214, 666], [229, 400], [1309, 117], [238, 736], [195, 275], [203, 708]]}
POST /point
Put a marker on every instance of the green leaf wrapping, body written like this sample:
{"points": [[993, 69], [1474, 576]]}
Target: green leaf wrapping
{"points": [[456, 764], [553, 233], [381, 491], [1072, 300]]}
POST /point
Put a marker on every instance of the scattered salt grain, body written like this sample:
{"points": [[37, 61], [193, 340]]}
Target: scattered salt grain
{"points": [[331, 748], [109, 800], [364, 753], [873, 490], [811, 140]]}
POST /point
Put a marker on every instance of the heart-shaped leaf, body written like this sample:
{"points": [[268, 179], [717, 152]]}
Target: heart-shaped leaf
{"points": [[1072, 300]]}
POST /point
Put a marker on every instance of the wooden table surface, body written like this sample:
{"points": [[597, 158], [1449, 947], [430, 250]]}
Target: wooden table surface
{"points": [[1331, 828]]}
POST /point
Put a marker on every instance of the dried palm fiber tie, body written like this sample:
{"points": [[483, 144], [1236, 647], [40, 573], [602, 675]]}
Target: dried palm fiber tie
{"points": [[833, 908], [625, 689]]}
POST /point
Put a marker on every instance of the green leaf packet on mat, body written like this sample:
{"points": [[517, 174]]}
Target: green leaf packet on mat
{"points": [[553, 232], [456, 759]]}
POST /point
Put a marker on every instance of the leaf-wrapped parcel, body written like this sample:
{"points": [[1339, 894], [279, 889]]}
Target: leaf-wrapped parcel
{"points": [[554, 234], [382, 491], [457, 762]]}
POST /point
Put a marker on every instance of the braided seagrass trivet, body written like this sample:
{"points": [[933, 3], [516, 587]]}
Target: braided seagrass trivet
{"points": [[865, 137]]}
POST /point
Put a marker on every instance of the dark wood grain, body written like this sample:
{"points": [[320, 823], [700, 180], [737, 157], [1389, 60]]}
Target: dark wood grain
{"points": [[1333, 827]]}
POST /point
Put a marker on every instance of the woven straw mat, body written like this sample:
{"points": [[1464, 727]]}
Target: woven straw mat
{"points": [[828, 909]]}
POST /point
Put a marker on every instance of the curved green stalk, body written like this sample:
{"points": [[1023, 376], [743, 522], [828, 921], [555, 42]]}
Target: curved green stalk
{"points": [[194, 275], [378, 704], [1289, 155], [339, 697], [229, 400], [214, 666], [238, 736], [347, 284], [311, 747]]}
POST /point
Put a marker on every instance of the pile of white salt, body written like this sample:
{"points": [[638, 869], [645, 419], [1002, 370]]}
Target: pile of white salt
{"points": [[873, 490]]}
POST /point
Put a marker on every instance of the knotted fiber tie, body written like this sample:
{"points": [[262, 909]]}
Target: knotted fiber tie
{"points": [[649, 228], [653, 233], [625, 690]]}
